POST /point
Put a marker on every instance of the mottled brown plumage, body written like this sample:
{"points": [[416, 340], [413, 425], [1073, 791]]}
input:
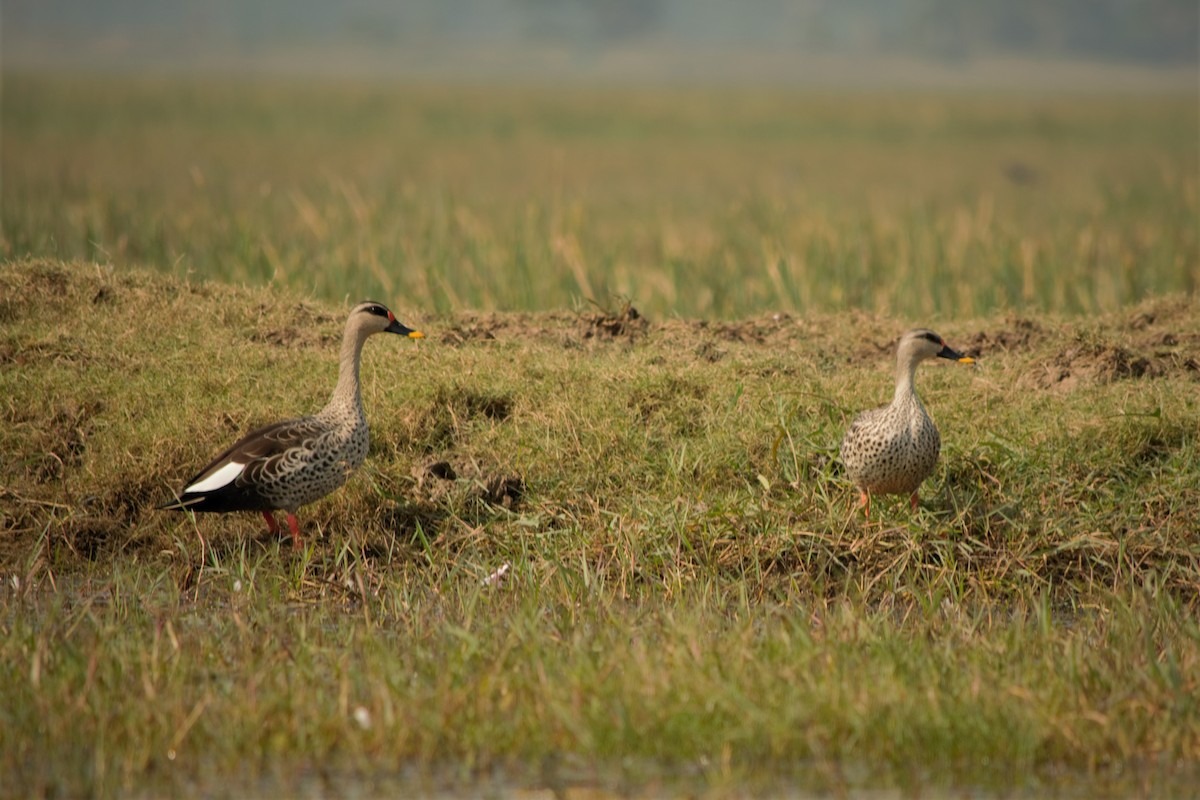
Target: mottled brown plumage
{"points": [[289, 464], [892, 449]]}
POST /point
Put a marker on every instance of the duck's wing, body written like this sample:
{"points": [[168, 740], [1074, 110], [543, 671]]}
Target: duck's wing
{"points": [[240, 478]]}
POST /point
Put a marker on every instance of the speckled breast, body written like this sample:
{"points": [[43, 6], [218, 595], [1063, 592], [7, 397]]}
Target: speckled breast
{"points": [[891, 451]]}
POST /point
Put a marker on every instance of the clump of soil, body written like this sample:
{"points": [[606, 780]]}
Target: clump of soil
{"points": [[304, 327], [1157, 340], [439, 480], [1087, 364], [466, 327], [505, 491], [403, 520], [60, 439], [1162, 330], [625, 323], [1018, 334], [496, 407], [293, 337], [707, 351], [759, 330], [91, 536], [468, 331]]}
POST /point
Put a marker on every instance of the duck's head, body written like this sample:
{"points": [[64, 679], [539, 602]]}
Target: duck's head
{"points": [[370, 317], [922, 343]]}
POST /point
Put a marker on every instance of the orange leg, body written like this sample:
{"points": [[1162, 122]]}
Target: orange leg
{"points": [[294, 527], [913, 501], [864, 500], [272, 524]]}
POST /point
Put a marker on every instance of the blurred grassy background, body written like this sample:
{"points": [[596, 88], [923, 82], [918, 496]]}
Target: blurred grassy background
{"points": [[697, 203]]}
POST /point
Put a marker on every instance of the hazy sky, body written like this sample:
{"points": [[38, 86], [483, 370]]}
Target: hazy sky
{"points": [[704, 40]]}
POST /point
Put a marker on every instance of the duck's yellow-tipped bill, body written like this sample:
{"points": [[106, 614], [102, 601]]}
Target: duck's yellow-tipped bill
{"points": [[966, 360], [416, 335]]}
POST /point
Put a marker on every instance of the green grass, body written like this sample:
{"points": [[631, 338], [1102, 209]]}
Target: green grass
{"points": [[693, 604], [716, 204]]}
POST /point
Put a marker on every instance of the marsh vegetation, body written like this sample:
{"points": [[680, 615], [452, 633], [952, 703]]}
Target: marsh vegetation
{"points": [[647, 327]]}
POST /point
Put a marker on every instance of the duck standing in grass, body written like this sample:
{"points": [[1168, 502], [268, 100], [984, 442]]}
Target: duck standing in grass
{"points": [[890, 450], [292, 463]]}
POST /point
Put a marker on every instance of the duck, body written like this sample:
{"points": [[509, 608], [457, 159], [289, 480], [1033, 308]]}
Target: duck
{"points": [[892, 449], [289, 464]]}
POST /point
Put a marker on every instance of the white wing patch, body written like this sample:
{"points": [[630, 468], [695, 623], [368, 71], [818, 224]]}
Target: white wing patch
{"points": [[222, 477]]}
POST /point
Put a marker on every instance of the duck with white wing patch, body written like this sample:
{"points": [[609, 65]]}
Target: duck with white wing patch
{"points": [[292, 463]]}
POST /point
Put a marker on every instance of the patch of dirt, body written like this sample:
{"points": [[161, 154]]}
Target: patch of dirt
{"points": [[1165, 330], [61, 439], [468, 403], [93, 536], [439, 481], [295, 338], [1160, 312], [624, 323], [707, 351], [485, 326], [21, 521], [505, 491], [1158, 339], [442, 470], [129, 499], [464, 332], [759, 330], [1142, 320], [1086, 364], [1018, 334], [105, 296], [93, 528], [404, 520], [304, 327]]}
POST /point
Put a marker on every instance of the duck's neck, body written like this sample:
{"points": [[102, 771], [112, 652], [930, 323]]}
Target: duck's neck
{"points": [[906, 369], [347, 395]]}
